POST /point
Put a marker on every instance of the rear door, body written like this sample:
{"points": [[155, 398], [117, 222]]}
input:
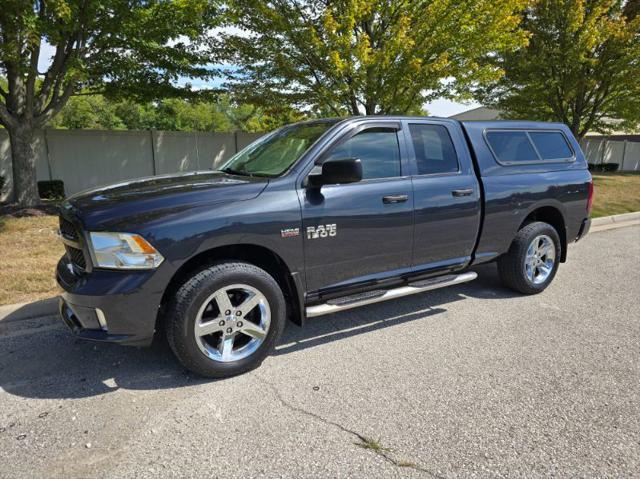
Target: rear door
{"points": [[446, 195], [361, 231]]}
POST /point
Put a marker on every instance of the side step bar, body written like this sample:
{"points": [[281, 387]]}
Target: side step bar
{"points": [[363, 299]]}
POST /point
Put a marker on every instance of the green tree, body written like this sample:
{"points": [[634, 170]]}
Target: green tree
{"points": [[201, 116], [173, 114], [581, 66], [136, 116], [249, 117], [366, 56], [133, 47], [89, 112]]}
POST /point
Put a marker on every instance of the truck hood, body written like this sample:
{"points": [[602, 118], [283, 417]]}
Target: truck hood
{"points": [[145, 199]]}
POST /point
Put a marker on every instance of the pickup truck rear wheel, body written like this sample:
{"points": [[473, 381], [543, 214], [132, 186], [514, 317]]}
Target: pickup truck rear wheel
{"points": [[532, 260], [226, 319]]}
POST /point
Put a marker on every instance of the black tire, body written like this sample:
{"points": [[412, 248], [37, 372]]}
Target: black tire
{"points": [[511, 265], [183, 309]]}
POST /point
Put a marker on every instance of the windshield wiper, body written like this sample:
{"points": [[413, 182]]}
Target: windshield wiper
{"points": [[231, 171]]}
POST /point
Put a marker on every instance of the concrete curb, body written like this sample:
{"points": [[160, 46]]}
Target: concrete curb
{"points": [[623, 218], [49, 307]]}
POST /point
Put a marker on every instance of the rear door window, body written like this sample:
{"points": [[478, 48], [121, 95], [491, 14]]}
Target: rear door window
{"points": [[551, 145], [433, 148], [512, 146]]}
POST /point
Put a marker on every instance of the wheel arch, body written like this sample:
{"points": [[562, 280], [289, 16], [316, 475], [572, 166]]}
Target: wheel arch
{"points": [[257, 255], [553, 216]]}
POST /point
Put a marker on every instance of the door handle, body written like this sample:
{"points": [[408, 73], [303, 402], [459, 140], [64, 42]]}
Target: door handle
{"points": [[464, 192], [394, 199]]}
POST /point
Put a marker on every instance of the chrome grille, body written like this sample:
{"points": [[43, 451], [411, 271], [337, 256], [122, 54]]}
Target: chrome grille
{"points": [[72, 239], [76, 256], [67, 229]]}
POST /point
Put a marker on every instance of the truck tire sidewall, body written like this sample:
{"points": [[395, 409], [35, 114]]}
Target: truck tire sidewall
{"points": [[534, 230], [197, 290], [511, 265]]}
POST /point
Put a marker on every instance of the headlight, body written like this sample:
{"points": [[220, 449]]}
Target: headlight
{"points": [[124, 251]]}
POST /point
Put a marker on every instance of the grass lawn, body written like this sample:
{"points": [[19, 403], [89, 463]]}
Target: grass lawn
{"points": [[615, 193], [31, 248], [30, 251]]}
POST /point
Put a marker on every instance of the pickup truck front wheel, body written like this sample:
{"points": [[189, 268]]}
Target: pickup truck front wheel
{"points": [[225, 319], [532, 260]]}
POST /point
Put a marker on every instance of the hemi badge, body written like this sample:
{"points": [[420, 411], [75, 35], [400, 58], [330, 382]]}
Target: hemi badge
{"points": [[290, 232]]}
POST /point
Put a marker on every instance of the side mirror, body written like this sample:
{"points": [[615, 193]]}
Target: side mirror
{"points": [[348, 170]]}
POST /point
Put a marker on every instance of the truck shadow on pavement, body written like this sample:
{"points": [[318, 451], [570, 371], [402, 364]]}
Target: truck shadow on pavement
{"points": [[47, 362]]}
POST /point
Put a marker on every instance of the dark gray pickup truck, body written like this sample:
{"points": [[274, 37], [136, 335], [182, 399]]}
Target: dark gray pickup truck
{"points": [[315, 218]]}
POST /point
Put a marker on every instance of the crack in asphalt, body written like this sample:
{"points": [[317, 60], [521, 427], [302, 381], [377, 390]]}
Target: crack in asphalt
{"points": [[382, 452]]}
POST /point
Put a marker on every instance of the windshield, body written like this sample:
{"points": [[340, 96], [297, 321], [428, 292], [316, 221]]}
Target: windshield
{"points": [[274, 153]]}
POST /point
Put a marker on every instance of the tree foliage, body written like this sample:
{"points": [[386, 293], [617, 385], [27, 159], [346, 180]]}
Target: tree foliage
{"points": [[366, 56], [172, 114], [581, 66], [117, 46], [120, 47]]}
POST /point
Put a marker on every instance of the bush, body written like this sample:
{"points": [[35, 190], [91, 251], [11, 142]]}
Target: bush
{"points": [[51, 189], [604, 167]]}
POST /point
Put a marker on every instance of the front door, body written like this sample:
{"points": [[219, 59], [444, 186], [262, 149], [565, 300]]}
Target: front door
{"points": [[361, 231]]}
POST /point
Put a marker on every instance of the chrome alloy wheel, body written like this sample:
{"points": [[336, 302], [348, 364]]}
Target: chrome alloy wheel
{"points": [[540, 259], [232, 323]]}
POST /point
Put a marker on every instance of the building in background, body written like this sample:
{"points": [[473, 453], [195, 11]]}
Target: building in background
{"points": [[482, 113]]}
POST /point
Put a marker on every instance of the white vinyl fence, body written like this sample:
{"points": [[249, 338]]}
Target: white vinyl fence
{"points": [[626, 154], [88, 158]]}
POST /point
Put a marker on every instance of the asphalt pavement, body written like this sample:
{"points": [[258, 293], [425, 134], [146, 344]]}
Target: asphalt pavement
{"points": [[467, 381]]}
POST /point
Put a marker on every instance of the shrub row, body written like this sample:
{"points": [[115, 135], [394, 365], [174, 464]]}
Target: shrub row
{"points": [[47, 190], [604, 167], [51, 189]]}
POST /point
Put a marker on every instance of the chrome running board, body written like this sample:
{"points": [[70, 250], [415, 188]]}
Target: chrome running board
{"points": [[355, 301]]}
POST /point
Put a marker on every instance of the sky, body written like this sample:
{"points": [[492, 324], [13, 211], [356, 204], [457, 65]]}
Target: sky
{"points": [[440, 107]]}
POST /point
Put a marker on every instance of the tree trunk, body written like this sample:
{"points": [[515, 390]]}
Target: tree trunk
{"points": [[575, 127], [370, 107], [23, 153]]}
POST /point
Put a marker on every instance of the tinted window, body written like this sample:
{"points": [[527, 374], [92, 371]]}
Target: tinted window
{"points": [[551, 145], [377, 149], [511, 146], [434, 149]]}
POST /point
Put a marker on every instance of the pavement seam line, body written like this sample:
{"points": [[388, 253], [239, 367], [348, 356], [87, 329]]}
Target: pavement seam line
{"points": [[363, 439]]}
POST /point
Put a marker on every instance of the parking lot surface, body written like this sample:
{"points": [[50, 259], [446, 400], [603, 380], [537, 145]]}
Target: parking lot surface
{"points": [[468, 381]]}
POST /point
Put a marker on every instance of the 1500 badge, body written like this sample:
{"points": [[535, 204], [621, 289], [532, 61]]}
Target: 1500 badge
{"points": [[321, 231]]}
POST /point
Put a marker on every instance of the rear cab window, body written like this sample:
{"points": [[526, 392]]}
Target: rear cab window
{"points": [[552, 145], [511, 147]]}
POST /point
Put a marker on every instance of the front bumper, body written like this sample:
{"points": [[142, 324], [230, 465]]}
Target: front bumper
{"points": [[110, 306]]}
